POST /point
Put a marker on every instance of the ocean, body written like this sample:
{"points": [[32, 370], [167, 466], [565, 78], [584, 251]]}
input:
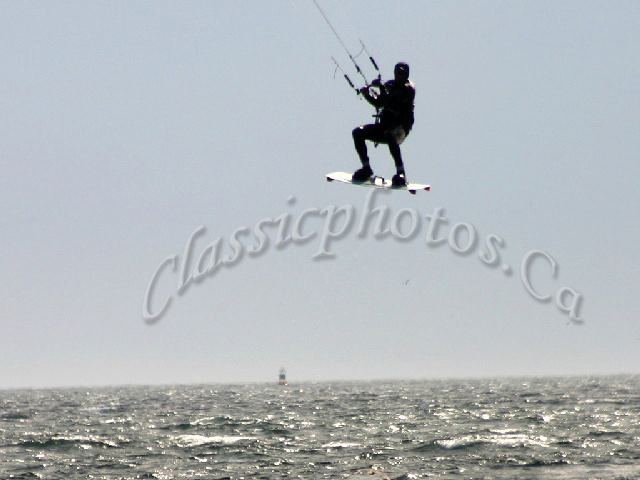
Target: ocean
{"points": [[512, 428]]}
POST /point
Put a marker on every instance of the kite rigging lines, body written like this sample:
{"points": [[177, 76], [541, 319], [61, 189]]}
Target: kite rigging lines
{"points": [[346, 49]]}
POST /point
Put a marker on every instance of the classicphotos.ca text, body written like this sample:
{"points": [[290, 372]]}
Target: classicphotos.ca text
{"points": [[195, 265]]}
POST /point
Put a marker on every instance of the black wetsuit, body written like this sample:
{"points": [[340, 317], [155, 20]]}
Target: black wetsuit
{"points": [[395, 105]]}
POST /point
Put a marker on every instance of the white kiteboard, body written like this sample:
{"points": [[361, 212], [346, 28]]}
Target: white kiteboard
{"points": [[376, 182]]}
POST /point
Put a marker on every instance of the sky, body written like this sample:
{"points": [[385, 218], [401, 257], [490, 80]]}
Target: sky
{"points": [[127, 126]]}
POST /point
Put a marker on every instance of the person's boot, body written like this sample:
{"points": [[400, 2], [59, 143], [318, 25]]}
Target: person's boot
{"points": [[399, 180], [362, 174]]}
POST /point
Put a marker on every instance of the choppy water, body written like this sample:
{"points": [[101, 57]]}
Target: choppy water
{"points": [[569, 428]]}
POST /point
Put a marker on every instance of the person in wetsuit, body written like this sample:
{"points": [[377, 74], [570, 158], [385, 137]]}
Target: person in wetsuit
{"points": [[395, 119]]}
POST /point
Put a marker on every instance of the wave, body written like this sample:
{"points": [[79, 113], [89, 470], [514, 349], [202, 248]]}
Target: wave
{"points": [[14, 416], [447, 444], [606, 433], [60, 441], [469, 442], [186, 441], [25, 476], [532, 463], [340, 445], [221, 420], [177, 426]]}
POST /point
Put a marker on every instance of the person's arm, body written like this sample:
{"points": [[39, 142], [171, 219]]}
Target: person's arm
{"points": [[376, 101]]}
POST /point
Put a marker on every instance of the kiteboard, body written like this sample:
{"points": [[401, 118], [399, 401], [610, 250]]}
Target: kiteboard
{"points": [[376, 182]]}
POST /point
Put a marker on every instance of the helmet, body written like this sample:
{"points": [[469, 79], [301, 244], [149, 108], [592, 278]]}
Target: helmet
{"points": [[402, 68]]}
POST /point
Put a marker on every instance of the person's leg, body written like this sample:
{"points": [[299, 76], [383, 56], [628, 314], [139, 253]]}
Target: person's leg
{"points": [[394, 149], [372, 132], [393, 137]]}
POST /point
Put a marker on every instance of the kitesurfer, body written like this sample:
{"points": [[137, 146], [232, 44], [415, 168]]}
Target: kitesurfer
{"points": [[394, 104]]}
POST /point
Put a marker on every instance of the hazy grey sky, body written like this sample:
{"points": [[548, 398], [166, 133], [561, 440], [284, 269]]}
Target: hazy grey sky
{"points": [[126, 125]]}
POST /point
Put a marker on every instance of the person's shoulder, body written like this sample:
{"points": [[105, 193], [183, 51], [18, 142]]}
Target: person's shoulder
{"points": [[410, 89]]}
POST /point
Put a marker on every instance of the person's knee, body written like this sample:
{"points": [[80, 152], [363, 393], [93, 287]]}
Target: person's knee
{"points": [[357, 133]]}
